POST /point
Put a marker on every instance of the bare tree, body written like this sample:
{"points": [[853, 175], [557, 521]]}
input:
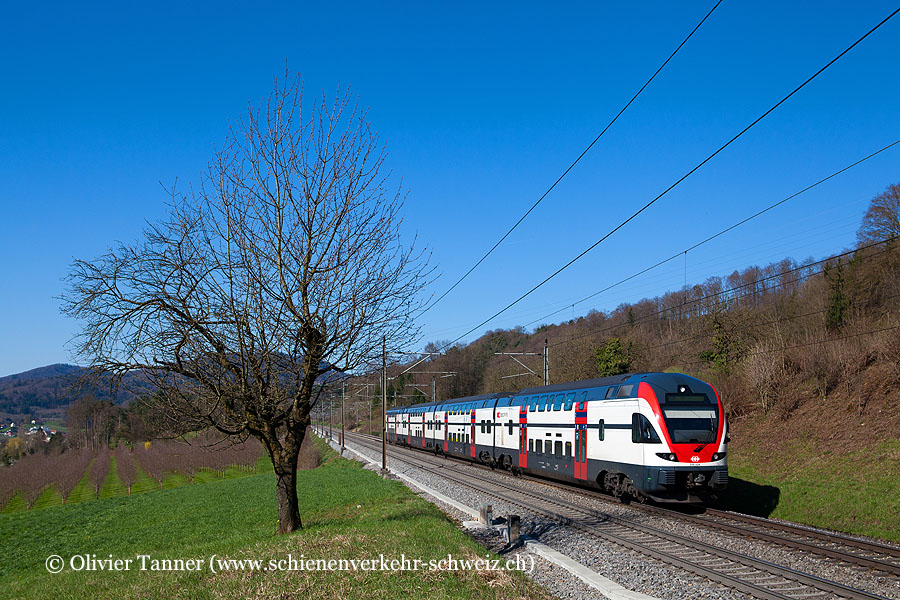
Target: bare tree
{"points": [[285, 266], [882, 219]]}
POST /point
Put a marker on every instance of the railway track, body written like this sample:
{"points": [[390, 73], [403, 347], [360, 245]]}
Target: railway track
{"points": [[834, 546], [741, 572]]}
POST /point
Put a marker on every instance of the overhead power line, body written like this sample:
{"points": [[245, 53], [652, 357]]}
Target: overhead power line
{"points": [[716, 235], [575, 162], [750, 323], [726, 291], [825, 340], [677, 182]]}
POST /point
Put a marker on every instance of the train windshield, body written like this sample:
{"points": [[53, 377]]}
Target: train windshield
{"points": [[691, 418]]}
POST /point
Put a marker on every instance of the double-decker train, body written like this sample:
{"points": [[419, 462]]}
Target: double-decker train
{"points": [[658, 436]]}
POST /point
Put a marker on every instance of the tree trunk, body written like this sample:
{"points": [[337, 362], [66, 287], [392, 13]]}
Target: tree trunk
{"points": [[285, 463]]}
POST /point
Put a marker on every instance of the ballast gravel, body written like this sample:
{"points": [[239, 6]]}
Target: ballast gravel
{"points": [[625, 567]]}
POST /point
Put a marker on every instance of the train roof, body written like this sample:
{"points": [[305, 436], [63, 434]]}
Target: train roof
{"points": [[577, 385], [452, 401], [510, 398]]}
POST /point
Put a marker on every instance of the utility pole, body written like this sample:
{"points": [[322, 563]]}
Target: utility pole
{"points": [[343, 389], [384, 404], [330, 418], [546, 363]]}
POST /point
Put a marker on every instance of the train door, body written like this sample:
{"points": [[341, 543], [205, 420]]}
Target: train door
{"points": [[446, 433], [523, 436], [581, 440], [472, 437], [493, 429]]}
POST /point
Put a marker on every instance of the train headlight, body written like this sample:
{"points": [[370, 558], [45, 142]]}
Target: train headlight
{"points": [[668, 456], [718, 456]]}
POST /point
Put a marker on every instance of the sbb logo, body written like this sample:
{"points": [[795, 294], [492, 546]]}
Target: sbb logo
{"points": [[695, 459]]}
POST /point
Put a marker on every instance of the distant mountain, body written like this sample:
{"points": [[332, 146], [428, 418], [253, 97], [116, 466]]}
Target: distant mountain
{"points": [[48, 391], [58, 369]]}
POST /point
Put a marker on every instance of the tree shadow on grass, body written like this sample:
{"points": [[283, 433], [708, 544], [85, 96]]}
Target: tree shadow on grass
{"points": [[749, 498]]}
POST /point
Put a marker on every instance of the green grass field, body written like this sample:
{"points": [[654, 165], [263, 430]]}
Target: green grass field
{"points": [[857, 492], [348, 512]]}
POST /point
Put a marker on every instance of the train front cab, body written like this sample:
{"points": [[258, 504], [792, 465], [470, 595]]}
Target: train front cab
{"points": [[679, 427]]}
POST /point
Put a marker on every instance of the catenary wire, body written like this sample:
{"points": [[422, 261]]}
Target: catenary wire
{"points": [[716, 235], [735, 288], [676, 183], [575, 162]]}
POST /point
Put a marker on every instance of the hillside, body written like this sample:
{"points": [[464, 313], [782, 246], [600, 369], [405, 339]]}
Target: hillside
{"points": [[46, 392], [806, 358]]}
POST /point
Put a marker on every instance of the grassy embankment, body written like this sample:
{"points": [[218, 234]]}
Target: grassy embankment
{"points": [[348, 512], [855, 492]]}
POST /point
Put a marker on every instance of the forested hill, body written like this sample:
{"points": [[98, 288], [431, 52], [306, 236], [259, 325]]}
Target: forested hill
{"points": [[778, 341], [47, 391]]}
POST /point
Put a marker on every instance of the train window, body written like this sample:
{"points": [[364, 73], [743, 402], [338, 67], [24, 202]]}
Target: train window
{"points": [[583, 399], [510, 428], [625, 391], [570, 398], [538, 446], [642, 431], [534, 403], [543, 405], [568, 448], [601, 426], [611, 392], [558, 448], [531, 445], [467, 438], [557, 402]]}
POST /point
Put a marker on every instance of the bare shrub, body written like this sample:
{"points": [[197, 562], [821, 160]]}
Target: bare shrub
{"points": [[125, 467], [762, 369], [69, 468], [100, 469]]}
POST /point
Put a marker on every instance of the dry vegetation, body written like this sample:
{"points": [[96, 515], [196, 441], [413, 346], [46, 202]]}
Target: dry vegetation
{"points": [[34, 474], [773, 340]]}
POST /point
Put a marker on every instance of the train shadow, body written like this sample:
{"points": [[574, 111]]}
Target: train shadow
{"points": [[749, 498]]}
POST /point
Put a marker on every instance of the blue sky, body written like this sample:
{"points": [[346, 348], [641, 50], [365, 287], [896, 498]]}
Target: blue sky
{"points": [[482, 106]]}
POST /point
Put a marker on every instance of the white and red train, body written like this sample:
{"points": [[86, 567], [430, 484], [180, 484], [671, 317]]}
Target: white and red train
{"points": [[660, 436]]}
